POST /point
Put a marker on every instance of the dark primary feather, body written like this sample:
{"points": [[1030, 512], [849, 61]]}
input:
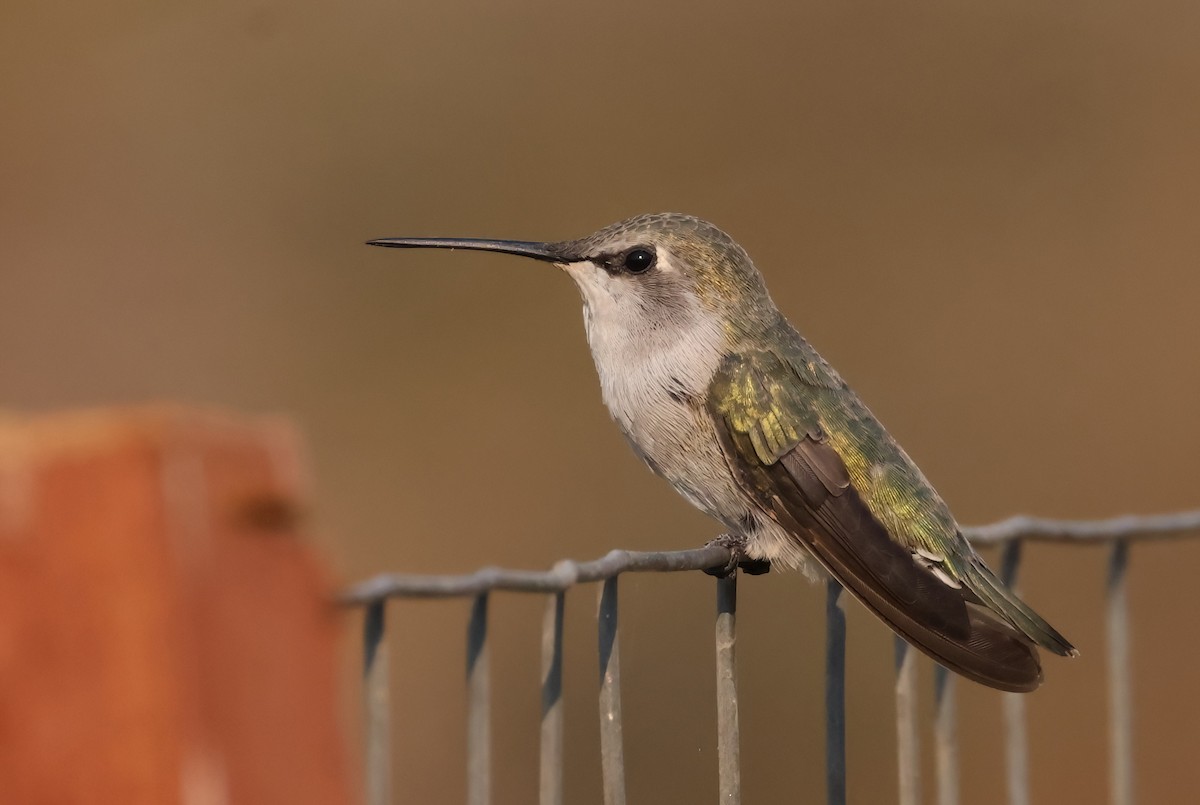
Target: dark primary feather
{"points": [[816, 461]]}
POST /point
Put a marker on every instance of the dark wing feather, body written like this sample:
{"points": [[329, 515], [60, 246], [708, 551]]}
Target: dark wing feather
{"points": [[777, 448]]}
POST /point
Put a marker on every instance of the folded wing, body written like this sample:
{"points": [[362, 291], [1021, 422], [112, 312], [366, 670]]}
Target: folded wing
{"points": [[774, 420]]}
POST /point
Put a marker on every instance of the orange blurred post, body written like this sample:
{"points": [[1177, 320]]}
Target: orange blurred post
{"points": [[165, 634]]}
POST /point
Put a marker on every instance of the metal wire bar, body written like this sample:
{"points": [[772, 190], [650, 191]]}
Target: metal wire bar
{"points": [[479, 745], [612, 751], [1130, 526], [945, 738], [550, 783], [1016, 736], [378, 709], [908, 733], [563, 575], [568, 573], [372, 594], [1120, 697], [729, 769], [835, 695]]}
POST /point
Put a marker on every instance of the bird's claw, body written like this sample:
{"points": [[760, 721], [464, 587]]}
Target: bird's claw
{"points": [[736, 545]]}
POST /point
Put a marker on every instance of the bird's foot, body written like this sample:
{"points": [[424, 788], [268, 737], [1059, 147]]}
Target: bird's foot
{"points": [[736, 545]]}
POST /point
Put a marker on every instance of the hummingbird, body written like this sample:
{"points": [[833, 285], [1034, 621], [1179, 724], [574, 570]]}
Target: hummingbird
{"points": [[720, 395]]}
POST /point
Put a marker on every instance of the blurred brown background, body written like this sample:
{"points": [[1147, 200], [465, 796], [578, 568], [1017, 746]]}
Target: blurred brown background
{"points": [[984, 216]]}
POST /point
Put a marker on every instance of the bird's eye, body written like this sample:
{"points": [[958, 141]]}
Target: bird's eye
{"points": [[639, 261]]}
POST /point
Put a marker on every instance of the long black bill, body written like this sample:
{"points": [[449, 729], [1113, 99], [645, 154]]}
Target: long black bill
{"points": [[550, 252]]}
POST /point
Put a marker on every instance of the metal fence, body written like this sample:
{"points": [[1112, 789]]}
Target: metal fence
{"points": [[1010, 535]]}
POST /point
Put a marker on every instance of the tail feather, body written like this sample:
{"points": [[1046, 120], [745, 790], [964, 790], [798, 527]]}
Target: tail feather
{"points": [[992, 654], [996, 596]]}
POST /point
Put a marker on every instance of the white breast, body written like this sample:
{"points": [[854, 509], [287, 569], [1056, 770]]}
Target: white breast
{"points": [[654, 376], [655, 373]]}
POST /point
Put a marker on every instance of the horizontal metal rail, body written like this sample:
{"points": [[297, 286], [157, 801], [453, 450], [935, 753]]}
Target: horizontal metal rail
{"points": [[568, 573], [562, 576], [1012, 533], [1135, 527]]}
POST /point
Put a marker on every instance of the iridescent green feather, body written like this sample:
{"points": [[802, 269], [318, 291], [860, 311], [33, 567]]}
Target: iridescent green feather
{"points": [[777, 400], [781, 396]]}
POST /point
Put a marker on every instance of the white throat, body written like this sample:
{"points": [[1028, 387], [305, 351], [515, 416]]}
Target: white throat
{"points": [[646, 360]]}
